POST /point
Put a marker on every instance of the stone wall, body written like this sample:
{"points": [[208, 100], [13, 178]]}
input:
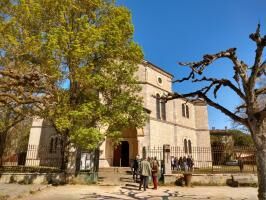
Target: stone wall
{"points": [[176, 128], [211, 179], [33, 178]]}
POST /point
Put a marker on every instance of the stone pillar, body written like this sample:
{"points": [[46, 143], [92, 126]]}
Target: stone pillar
{"points": [[72, 161], [167, 159], [32, 158], [102, 158]]}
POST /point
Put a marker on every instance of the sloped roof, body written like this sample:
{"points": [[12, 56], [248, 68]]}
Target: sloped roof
{"points": [[158, 68]]}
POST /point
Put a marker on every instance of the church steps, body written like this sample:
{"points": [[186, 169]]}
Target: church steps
{"points": [[115, 176]]}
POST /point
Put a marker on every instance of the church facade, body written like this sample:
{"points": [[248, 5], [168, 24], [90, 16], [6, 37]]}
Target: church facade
{"points": [[179, 123]]}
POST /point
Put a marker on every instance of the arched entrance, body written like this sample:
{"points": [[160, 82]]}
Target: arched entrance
{"points": [[121, 154], [127, 150]]}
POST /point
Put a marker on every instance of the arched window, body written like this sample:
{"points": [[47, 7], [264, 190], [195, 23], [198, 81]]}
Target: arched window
{"points": [[189, 147], [185, 145], [163, 105], [51, 145], [158, 110], [55, 144], [183, 110], [187, 111], [61, 143]]}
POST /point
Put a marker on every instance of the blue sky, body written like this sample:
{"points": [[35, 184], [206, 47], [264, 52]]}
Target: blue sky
{"points": [[171, 31]]}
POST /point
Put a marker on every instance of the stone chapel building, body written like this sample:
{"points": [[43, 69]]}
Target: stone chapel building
{"points": [[179, 122]]}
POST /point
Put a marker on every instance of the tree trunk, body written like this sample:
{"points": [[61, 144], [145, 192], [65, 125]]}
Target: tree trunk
{"points": [[261, 167], [260, 142], [3, 136]]}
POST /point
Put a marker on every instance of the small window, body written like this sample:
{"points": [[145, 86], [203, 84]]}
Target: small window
{"points": [[185, 146], [185, 110], [158, 110], [61, 143], [51, 145], [189, 147], [159, 79], [163, 107], [55, 144]]}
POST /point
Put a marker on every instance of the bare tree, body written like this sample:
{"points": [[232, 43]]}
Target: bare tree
{"points": [[245, 85]]}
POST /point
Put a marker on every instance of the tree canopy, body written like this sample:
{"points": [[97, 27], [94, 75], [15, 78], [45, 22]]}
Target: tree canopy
{"points": [[78, 59], [241, 139]]}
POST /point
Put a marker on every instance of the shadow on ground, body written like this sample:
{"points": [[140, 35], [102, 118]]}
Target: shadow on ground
{"points": [[131, 191]]}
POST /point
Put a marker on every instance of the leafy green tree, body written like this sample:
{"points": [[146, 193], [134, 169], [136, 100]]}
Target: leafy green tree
{"points": [[86, 52], [241, 139]]}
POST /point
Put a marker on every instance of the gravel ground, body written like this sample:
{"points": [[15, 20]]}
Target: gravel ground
{"points": [[11, 191], [82, 192]]}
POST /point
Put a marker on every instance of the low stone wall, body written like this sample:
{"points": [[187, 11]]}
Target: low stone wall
{"points": [[33, 178], [210, 179], [84, 178]]}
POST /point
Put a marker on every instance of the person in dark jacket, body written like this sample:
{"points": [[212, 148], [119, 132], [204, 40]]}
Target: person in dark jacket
{"points": [[190, 163], [136, 163]]}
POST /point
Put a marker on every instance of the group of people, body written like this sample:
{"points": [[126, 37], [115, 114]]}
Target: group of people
{"points": [[143, 169], [183, 163]]}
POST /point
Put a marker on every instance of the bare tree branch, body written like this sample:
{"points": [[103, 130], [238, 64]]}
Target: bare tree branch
{"points": [[199, 94], [239, 66], [257, 66], [240, 109], [260, 91], [190, 76], [221, 82]]}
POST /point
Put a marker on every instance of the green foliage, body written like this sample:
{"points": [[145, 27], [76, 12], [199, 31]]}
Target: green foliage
{"points": [[232, 138], [241, 139], [87, 44], [86, 137]]}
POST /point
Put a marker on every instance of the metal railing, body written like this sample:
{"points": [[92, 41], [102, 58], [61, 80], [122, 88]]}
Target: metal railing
{"points": [[35, 158], [207, 159]]}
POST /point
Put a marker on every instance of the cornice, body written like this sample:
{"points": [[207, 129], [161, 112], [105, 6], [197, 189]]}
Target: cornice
{"points": [[179, 125]]}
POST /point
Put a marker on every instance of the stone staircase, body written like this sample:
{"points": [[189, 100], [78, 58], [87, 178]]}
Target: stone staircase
{"points": [[115, 176]]}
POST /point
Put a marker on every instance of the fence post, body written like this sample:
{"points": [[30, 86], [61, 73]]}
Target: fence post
{"points": [[167, 159], [144, 152], [72, 163]]}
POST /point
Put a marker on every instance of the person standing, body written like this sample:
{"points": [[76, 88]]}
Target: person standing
{"points": [[145, 172], [180, 163], [172, 163], [185, 163], [241, 164], [136, 168], [155, 169], [190, 163]]}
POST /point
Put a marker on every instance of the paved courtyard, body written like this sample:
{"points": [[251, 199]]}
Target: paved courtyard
{"points": [[130, 192]]}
